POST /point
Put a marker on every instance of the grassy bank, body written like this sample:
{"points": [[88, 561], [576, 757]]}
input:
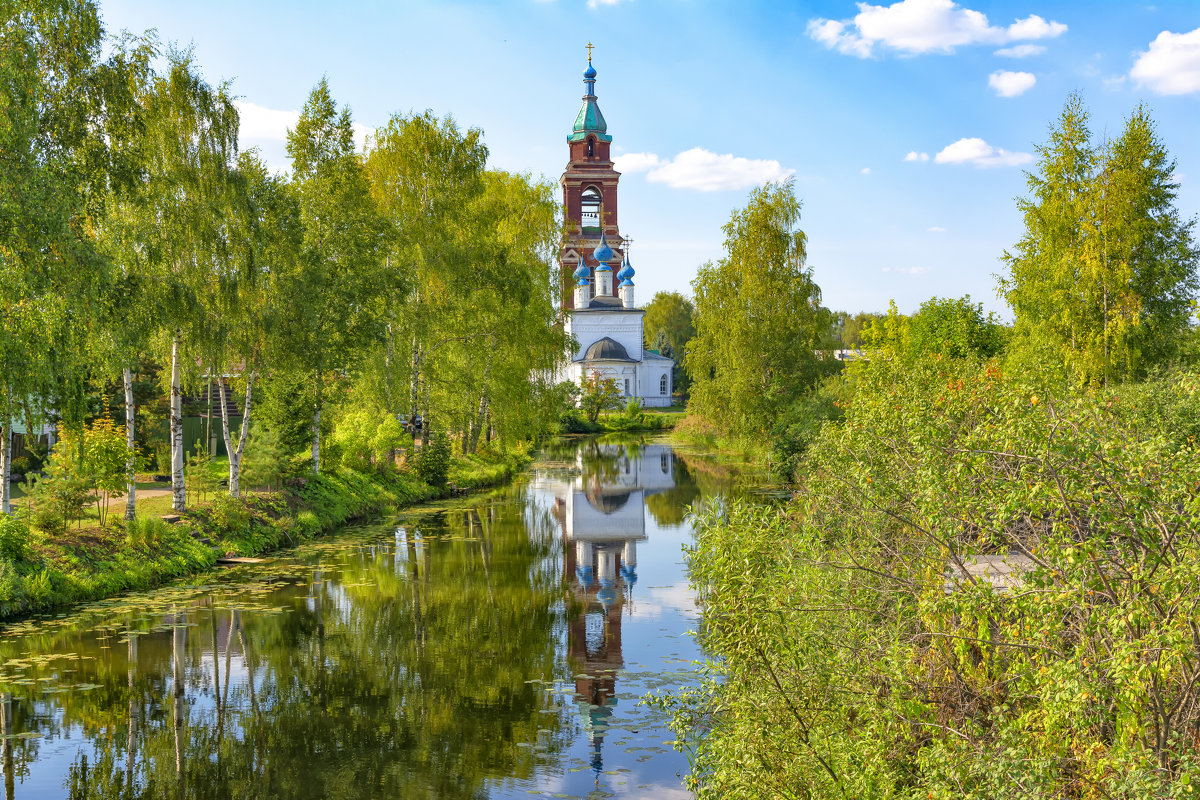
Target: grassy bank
{"points": [[41, 572], [632, 419], [691, 430]]}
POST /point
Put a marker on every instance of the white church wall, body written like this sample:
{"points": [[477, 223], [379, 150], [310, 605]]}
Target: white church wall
{"points": [[624, 327]]}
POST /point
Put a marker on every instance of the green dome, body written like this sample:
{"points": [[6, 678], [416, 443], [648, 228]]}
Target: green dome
{"points": [[589, 120]]}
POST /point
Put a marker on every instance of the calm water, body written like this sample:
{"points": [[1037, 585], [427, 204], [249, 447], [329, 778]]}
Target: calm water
{"points": [[497, 648]]}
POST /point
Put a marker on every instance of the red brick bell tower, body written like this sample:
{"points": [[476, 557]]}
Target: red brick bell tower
{"points": [[589, 187]]}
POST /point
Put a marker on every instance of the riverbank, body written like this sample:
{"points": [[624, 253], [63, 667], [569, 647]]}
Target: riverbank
{"points": [[694, 432], [628, 420], [40, 573]]}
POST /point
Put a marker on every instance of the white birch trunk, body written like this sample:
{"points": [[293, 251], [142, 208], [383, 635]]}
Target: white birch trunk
{"points": [[130, 442], [235, 454], [316, 445], [178, 491], [5, 462]]}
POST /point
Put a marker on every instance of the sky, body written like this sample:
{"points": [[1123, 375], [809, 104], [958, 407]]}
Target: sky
{"points": [[908, 128]]}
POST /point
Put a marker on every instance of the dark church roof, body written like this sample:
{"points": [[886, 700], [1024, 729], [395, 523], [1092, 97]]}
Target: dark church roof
{"points": [[607, 349], [609, 302]]}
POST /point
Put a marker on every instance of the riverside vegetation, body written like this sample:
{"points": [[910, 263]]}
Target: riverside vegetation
{"points": [[858, 648], [147, 263]]}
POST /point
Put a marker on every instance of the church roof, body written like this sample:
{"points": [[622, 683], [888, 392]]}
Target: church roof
{"points": [[607, 303], [607, 349], [589, 120]]}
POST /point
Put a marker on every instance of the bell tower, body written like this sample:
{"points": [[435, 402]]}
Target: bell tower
{"points": [[589, 187]]}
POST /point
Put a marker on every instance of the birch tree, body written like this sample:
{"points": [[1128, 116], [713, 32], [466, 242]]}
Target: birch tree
{"points": [[758, 317], [425, 175], [183, 218], [242, 307], [49, 270], [341, 249], [129, 313]]}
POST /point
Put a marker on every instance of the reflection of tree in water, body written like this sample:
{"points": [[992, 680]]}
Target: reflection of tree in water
{"points": [[410, 668], [670, 507], [603, 465]]}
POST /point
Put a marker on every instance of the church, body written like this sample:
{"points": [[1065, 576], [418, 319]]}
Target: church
{"points": [[597, 294]]}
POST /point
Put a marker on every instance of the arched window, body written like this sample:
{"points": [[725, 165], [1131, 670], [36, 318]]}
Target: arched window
{"points": [[589, 209], [662, 385], [591, 148]]}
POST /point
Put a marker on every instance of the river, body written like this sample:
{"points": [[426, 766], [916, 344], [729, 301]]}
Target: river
{"points": [[495, 647]]}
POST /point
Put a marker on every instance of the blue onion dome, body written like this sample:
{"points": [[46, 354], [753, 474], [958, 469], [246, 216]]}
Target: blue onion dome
{"points": [[603, 254], [589, 73], [626, 273], [582, 273]]}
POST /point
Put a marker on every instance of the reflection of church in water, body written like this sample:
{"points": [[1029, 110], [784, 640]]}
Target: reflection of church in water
{"points": [[602, 513]]}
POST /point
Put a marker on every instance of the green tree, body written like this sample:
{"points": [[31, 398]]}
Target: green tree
{"points": [[598, 393], [426, 174], [106, 455], [178, 221], [668, 327], [1103, 278], [955, 328], [243, 297], [328, 296], [51, 152], [758, 317]]}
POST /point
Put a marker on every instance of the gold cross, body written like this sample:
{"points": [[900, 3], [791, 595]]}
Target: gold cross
{"points": [[589, 52]]}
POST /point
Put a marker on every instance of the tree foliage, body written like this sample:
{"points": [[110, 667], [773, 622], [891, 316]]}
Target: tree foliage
{"points": [[758, 317], [667, 327], [1103, 279], [857, 656]]}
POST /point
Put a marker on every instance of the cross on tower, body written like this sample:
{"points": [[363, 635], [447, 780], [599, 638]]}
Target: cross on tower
{"points": [[589, 48]]}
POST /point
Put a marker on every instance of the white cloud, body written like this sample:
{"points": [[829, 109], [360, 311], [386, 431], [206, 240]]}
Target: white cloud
{"points": [[704, 170], [913, 155], [907, 270], [1171, 65], [1011, 84], [267, 128], [913, 27], [261, 123], [865, 171], [1034, 27], [936, 229], [981, 154], [598, 3], [1020, 51], [635, 162]]}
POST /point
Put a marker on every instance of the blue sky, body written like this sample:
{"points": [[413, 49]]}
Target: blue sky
{"points": [[906, 126]]}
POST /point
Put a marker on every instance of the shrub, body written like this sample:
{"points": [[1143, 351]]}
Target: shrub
{"points": [[367, 439], [60, 495], [200, 479], [14, 539], [145, 530], [230, 516], [433, 460], [800, 423]]}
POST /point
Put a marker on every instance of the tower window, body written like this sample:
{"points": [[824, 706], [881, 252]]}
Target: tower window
{"points": [[662, 385], [589, 209], [591, 153]]}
